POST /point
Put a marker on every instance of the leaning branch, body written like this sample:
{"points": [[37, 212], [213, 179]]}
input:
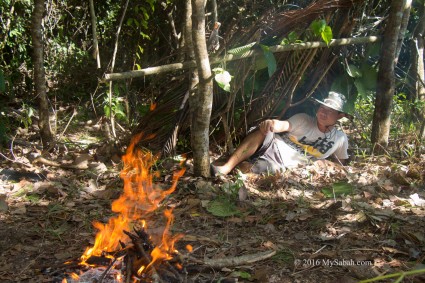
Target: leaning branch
{"points": [[232, 57]]}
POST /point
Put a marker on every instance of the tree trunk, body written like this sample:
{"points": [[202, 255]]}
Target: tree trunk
{"points": [[201, 102], [39, 74], [403, 26], [96, 54], [417, 69], [386, 82], [214, 11]]}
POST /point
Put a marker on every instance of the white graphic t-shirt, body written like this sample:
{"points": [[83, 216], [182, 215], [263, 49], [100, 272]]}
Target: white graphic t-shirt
{"points": [[305, 141]]}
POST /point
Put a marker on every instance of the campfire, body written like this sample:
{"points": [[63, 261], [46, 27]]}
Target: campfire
{"points": [[124, 251]]}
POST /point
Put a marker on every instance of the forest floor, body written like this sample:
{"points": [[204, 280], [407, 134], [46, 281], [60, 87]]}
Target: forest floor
{"points": [[339, 224]]}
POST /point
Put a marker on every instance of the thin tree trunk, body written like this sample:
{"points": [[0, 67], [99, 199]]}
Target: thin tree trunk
{"points": [[111, 114], [214, 11], [386, 81], [201, 102], [168, 9], [39, 73], [403, 26], [94, 31], [417, 69]]}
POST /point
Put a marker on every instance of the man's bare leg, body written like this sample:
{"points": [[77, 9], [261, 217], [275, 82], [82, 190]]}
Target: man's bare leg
{"points": [[245, 150]]}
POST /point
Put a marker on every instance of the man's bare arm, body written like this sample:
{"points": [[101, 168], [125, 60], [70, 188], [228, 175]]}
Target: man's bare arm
{"points": [[275, 126]]}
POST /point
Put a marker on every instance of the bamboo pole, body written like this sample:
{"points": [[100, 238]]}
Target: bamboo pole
{"points": [[232, 57]]}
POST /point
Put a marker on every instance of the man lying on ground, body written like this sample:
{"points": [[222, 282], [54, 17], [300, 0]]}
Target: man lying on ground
{"points": [[276, 145]]}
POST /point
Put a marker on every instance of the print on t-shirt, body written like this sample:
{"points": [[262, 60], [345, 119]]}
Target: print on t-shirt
{"points": [[315, 148]]}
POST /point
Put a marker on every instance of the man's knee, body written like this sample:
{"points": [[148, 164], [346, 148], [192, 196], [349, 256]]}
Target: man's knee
{"points": [[256, 136]]}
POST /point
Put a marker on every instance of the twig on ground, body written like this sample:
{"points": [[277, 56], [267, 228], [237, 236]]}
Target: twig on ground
{"points": [[235, 261], [14, 161], [69, 122], [45, 161]]}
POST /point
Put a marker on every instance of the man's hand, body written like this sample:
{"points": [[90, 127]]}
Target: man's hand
{"points": [[267, 126], [274, 126]]}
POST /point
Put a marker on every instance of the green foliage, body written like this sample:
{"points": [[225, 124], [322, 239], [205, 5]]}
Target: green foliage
{"points": [[367, 81], [270, 59], [402, 117], [292, 38], [353, 71], [403, 112], [225, 205], [320, 28], [2, 82], [399, 276], [15, 38], [356, 82], [338, 189], [138, 21], [26, 114], [222, 207], [240, 274], [116, 108]]}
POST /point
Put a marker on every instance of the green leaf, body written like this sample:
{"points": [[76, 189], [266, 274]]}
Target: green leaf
{"points": [[338, 189], [292, 36], [284, 41], [107, 110], [327, 34], [260, 63], [145, 36], [116, 89], [145, 14], [271, 60], [241, 274], [370, 76], [361, 89], [136, 22], [318, 26], [222, 207]]}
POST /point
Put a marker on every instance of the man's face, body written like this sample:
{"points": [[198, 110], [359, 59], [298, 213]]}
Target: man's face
{"points": [[327, 116]]}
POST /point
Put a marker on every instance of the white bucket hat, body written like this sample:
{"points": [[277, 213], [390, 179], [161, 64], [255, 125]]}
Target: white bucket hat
{"points": [[335, 101]]}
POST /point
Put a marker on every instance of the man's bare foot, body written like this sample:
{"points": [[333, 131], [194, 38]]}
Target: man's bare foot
{"points": [[216, 170]]}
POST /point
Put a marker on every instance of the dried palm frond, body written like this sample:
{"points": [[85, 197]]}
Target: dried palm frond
{"points": [[171, 117]]}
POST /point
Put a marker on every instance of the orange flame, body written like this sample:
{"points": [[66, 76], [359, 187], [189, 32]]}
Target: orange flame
{"points": [[139, 198], [152, 106]]}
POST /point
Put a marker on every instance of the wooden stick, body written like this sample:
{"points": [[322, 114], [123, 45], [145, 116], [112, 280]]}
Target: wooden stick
{"points": [[236, 261], [45, 161], [232, 57]]}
